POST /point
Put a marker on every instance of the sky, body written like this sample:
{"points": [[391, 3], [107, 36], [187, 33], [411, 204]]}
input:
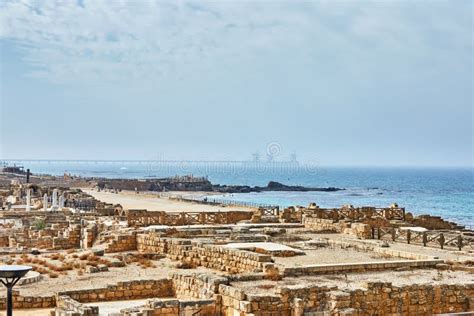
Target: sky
{"points": [[353, 83]]}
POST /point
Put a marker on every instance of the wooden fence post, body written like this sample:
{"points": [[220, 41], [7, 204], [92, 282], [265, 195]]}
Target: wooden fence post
{"points": [[425, 239], [394, 234], [378, 233], [441, 240], [460, 242], [408, 236]]}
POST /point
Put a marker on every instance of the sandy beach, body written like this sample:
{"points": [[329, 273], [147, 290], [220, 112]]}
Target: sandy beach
{"points": [[152, 201]]}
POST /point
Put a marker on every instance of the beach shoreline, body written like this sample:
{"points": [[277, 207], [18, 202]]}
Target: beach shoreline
{"points": [[160, 201]]}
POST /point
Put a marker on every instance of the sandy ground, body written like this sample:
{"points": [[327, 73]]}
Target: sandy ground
{"points": [[328, 255], [445, 254], [153, 202], [106, 308], [30, 312], [47, 286]]}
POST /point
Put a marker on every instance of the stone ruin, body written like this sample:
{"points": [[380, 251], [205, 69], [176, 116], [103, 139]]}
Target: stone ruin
{"points": [[241, 263]]}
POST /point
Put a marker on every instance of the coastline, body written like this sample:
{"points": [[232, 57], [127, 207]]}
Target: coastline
{"points": [[445, 193]]}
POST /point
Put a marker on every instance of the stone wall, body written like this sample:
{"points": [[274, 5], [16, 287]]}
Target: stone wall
{"points": [[384, 298], [359, 230], [74, 236], [319, 269], [122, 242], [325, 225], [199, 254], [374, 299], [219, 298], [432, 222], [88, 236], [4, 241], [20, 301], [55, 237], [130, 290], [157, 307], [61, 243], [197, 285], [66, 306]]}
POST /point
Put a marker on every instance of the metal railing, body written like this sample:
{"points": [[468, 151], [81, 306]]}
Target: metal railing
{"points": [[214, 201]]}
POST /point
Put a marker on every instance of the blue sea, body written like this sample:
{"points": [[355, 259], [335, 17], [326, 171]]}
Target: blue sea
{"points": [[447, 192]]}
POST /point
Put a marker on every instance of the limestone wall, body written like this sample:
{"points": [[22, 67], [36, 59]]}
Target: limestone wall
{"points": [[318, 269], [122, 242], [197, 285], [157, 307], [124, 291], [20, 301], [325, 225], [66, 306], [374, 299], [89, 235], [54, 237], [199, 254], [433, 222], [359, 230], [383, 298]]}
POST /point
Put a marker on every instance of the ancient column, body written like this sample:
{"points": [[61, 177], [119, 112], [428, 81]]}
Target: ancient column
{"points": [[28, 199], [45, 202], [54, 205], [61, 201]]}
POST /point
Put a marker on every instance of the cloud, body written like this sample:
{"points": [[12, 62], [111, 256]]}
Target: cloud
{"points": [[93, 41]]}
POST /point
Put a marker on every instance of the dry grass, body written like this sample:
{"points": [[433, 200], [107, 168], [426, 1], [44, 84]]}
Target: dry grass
{"points": [[262, 251], [92, 263], [54, 256], [285, 253], [273, 275], [93, 258], [186, 265], [266, 286], [139, 259]]}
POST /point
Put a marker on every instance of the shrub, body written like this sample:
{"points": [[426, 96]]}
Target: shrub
{"points": [[39, 224]]}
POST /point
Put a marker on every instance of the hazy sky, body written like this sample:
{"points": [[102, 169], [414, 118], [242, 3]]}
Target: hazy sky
{"points": [[340, 83]]}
